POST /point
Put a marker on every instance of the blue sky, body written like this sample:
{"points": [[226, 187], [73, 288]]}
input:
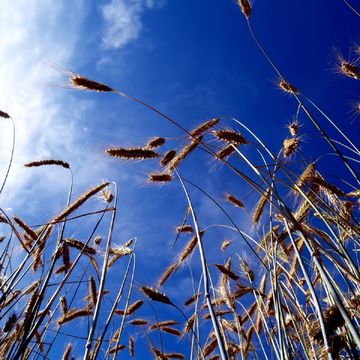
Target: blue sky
{"points": [[194, 60]]}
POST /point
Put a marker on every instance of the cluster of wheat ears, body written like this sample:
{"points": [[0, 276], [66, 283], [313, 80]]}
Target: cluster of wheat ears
{"points": [[302, 302]]}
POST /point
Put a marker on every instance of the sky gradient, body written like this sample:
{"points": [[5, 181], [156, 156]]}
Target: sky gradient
{"points": [[193, 60]]}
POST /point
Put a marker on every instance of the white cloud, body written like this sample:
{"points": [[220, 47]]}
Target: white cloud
{"points": [[123, 21], [29, 34]]}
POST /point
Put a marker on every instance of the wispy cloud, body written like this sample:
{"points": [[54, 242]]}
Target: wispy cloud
{"points": [[29, 36], [123, 21], [47, 118]]}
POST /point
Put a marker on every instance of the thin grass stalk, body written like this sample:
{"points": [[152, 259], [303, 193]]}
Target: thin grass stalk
{"points": [[27, 340], [299, 310], [333, 292], [102, 279], [340, 248], [333, 124], [13, 228], [205, 273], [312, 292], [52, 265], [57, 332], [351, 8], [116, 302], [11, 156], [196, 322], [257, 333], [242, 234], [11, 280], [339, 244], [319, 128]]}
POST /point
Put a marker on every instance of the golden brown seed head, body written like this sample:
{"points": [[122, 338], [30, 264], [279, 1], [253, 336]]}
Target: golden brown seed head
{"points": [[4, 115], [185, 229], [192, 299], [350, 70], [170, 330], [169, 271], [293, 128], [290, 146], [131, 346], [230, 136], [138, 322], [225, 152], [204, 127], [86, 84], [133, 307], [155, 142], [132, 153], [287, 87], [234, 200], [168, 157], [48, 162], [225, 244], [246, 7], [162, 324], [156, 295], [160, 177]]}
